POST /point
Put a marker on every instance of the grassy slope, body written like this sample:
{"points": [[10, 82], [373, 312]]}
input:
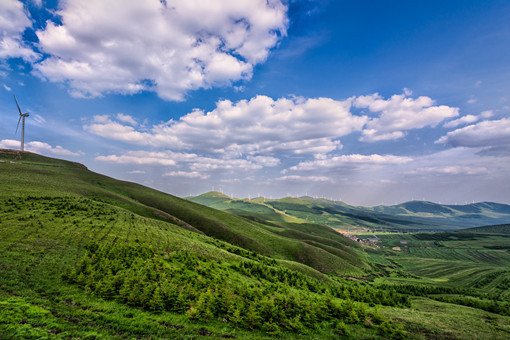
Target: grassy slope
{"points": [[502, 229], [466, 260], [475, 263], [45, 224], [46, 180]]}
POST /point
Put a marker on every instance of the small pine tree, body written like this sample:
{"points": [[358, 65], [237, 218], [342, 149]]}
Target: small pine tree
{"points": [[156, 303], [340, 328]]}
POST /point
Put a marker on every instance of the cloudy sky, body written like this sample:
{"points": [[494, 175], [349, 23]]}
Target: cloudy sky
{"points": [[369, 102]]}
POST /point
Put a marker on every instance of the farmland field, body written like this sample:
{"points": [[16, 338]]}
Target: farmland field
{"points": [[477, 263]]}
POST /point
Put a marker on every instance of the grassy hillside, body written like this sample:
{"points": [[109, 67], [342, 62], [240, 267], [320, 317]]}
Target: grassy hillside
{"points": [[39, 175], [502, 229]]}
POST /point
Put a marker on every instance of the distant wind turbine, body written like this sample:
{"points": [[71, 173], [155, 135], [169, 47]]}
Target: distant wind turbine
{"points": [[22, 119]]}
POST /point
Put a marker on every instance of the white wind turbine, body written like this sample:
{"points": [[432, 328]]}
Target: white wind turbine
{"points": [[22, 119]]}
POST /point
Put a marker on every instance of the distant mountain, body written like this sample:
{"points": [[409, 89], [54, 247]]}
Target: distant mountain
{"points": [[454, 216], [408, 216]]}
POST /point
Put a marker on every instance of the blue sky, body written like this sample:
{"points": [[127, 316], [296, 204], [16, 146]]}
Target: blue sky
{"points": [[362, 101]]}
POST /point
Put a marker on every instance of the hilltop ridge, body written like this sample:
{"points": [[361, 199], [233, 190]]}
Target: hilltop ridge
{"points": [[407, 216]]}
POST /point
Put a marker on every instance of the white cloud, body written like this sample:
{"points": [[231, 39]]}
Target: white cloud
{"points": [[7, 88], [126, 119], [298, 178], [259, 126], [472, 100], [13, 21], [192, 174], [207, 164], [38, 147], [449, 170], [39, 119], [487, 114], [264, 160], [492, 134], [468, 119], [400, 113], [137, 172], [143, 158], [169, 47], [117, 131], [349, 160], [194, 162]]}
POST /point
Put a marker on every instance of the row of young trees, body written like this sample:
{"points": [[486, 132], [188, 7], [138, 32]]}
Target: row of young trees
{"points": [[253, 296], [459, 296]]}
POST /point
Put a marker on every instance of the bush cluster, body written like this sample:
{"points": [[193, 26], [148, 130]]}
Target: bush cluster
{"points": [[253, 296]]}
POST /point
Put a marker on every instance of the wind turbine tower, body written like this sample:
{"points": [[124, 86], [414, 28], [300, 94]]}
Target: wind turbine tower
{"points": [[22, 119]]}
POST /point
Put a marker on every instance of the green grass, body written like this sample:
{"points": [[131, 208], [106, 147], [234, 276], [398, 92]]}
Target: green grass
{"points": [[429, 319]]}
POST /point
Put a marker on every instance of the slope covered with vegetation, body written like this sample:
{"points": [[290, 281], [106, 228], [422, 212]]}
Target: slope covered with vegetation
{"points": [[39, 175], [83, 255]]}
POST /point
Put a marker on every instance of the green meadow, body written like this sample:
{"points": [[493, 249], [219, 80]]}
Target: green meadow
{"points": [[86, 256]]}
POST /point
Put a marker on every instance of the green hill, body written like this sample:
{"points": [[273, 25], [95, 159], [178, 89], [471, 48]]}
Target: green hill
{"points": [[409, 216], [502, 229], [38, 175]]}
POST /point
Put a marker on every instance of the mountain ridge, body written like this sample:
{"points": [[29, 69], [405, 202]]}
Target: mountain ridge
{"points": [[412, 215]]}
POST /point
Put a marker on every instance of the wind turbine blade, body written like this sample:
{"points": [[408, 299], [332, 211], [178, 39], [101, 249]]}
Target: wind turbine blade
{"points": [[17, 105], [17, 125]]}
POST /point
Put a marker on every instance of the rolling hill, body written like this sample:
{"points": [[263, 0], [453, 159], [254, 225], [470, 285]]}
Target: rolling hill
{"points": [[409, 216], [38, 175]]}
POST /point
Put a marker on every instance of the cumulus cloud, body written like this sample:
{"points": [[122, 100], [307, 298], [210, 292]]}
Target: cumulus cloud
{"points": [[298, 178], [449, 170], [126, 119], [468, 119], [147, 158], [264, 160], [192, 174], [487, 114], [13, 21], [169, 47], [348, 160], [493, 135], [299, 134], [400, 113], [194, 162], [38, 147], [259, 126]]}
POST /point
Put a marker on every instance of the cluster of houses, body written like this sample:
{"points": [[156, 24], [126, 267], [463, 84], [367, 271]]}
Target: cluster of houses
{"points": [[370, 241]]}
